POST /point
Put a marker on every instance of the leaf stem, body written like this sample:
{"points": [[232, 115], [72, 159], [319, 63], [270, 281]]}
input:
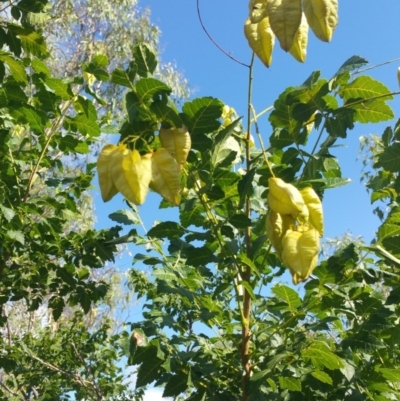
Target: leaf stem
{"points": [[246, 276]]}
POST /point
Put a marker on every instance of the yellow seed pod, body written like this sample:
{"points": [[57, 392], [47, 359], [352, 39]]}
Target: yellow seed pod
{"points": [[257, 10], [314, 206], [261, 39], [178, 142], [131, 174], [284, 198], [300, 253], [284, 17], [107, 187], [165, 176], [276, 227], [299, 47], [322, 16], [398, 75]]}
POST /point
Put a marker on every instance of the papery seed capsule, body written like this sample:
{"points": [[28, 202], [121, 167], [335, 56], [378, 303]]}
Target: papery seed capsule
{"points": [[322, 16], [314, 205], [276, 227], [130, 174], [300, 253], [178, 142], [299, 47], [165, 176], [257, 10], [284, 198], [284, 17], [107, 187], [261, 39]]}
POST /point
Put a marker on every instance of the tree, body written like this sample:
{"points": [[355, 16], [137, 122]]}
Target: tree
{"points": [[214, 327]]}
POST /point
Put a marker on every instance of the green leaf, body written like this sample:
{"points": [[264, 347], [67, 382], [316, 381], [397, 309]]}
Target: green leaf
{"points": [[145, 59], [192, 213], [351, 64], [201, 115], [290, 383], [148, 371], [60, 88], [288, 295], [322, 376], [126, 216], [364, 87], [95, 67], [85, 126], [121, 77], [372, 111], [40, 67], [16, 67], [321, 355], [176, 384], [33, 43], [388, 230], [245, 186], [389, 159], [167, 229], [392, 375], [146, 88], [7, 212], [240, 221], [16, 236]]}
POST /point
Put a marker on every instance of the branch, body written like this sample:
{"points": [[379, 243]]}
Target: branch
{"points": [[214, 42]]}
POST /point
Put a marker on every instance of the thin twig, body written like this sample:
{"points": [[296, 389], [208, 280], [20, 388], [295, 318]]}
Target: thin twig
{"points": [[214, 42], [376, 66]]}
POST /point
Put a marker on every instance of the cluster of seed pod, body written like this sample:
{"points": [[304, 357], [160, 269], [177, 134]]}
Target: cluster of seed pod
{"points": [[294, 225], [288, 21], [123, 170]]}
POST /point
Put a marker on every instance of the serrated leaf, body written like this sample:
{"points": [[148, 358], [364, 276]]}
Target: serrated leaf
{"points": [[40, 67], [176, 384], [199, 256], [33, 43], [60, 88], [121, 77], [166, 229], [290, 383], [16, 67], [390, 374], [126, 216], [288, 295], [145, 59], [146, 88], [372, 111], [348, 370], [16, 236], [364, 87], [389, 159], [201, 115], [321, 355], [85, 126], [191, 213], [388, 230], [351, 64], [148, 371], [322, 376], [7, 212]]}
